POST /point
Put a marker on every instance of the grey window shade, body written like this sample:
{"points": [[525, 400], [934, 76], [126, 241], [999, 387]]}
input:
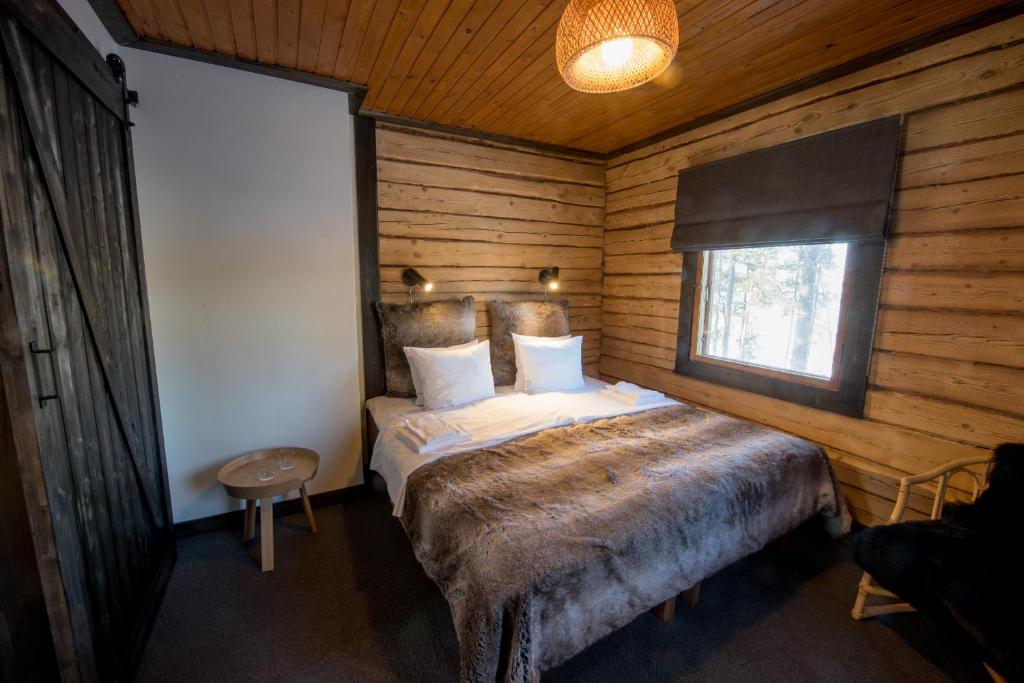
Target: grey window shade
{"points": [[832, 187]]}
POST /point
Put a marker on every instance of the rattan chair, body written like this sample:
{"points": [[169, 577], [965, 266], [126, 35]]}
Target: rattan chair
{"points": [[942, 476], [944, 473]]}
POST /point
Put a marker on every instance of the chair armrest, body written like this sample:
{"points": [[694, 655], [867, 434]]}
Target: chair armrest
{"points": [[943, 473]]}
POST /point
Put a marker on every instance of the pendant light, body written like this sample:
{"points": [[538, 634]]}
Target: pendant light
{"points": [[612, 45]]}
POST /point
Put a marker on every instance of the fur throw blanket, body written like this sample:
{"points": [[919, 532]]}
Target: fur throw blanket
{"points": [[545, 544]]}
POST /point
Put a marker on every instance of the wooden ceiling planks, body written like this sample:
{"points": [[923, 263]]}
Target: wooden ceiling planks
{"points": [[532, 45], [331, 31], [404, 22], [311, 23], [352, 37], [387, 15], [504, 13], [393, 75], [198, 26], [265, 22], [287, 32], [489, 65], [747, 77], [437, 57], [218, 14]]}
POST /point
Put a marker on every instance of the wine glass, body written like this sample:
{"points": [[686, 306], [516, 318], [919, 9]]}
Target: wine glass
{"points": [[284, 460], [263, 471]]}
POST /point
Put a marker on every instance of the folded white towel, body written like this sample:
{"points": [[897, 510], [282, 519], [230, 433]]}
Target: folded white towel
{"points": [[633, 391], [428, 426], [417, 445], [630, 388], [426, 432], [631, 400]]}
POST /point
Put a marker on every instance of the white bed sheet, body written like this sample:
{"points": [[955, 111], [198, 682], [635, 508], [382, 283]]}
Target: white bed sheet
{"points": [[387, 409], [509, 415]]}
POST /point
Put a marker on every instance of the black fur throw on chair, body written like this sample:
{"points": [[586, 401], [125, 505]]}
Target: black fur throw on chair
{"points": [[964, 570]]}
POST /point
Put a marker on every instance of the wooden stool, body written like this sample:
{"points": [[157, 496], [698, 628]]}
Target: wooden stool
{"points": [[240, 480]]}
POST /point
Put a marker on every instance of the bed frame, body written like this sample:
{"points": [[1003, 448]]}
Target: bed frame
{"points": [[370, 432], [371, 437], [667, 610]]}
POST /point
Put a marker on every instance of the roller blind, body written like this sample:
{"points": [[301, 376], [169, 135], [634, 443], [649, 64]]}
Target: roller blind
{"points": [[832, 187]]}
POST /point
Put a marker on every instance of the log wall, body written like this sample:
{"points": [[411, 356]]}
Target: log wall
{"points": [[482, 218], [947, 371]]}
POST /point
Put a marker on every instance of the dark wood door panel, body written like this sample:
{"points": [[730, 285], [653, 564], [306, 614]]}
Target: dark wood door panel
{"points": [[73, 254], [37, 104], [70, 610]]}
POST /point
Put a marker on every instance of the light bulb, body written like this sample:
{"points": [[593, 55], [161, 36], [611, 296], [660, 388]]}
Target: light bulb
{"points": [[617, 52], [427, 287], [553, 284]]}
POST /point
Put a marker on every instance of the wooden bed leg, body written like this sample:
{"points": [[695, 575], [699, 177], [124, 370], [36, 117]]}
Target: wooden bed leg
{"points": [[691, 596], [666, 610]]}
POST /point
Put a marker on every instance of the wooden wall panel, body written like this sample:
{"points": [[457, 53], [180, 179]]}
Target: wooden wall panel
{"points": [[482, 218], [946, 374]]}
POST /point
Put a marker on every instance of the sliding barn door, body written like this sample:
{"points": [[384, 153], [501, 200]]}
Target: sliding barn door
{"points": [[73, 253]]}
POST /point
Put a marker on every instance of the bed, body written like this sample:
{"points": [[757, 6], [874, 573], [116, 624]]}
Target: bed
{"points": [[569, 514]]}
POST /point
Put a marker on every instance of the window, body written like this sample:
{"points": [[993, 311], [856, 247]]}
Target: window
{"points": [[774, 310], [782, 265], [792, 321]]}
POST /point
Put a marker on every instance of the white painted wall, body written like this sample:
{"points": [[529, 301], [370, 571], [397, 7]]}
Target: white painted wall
{"points": [[246, 193], [85, 18]]}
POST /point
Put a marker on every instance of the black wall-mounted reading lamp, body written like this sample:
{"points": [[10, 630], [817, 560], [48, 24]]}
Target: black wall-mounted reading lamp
{"points": [[411, 278], [549, 278]]}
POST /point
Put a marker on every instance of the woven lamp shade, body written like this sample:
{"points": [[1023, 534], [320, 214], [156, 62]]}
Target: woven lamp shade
{"points": [[611, 45]]}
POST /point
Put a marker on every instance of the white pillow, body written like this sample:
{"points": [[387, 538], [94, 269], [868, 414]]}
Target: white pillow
{"points": [[552, 365], [414, 369], [453, 377], [516, 338]]}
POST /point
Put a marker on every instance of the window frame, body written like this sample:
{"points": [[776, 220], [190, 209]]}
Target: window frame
{"points": [[844, 392]]}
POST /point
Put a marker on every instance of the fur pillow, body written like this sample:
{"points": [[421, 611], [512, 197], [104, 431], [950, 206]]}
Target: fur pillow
{"points": [[533, 318], [432, 324]]}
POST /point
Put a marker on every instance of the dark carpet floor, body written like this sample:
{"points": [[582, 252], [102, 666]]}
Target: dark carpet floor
{"points": [[352, 604]]}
